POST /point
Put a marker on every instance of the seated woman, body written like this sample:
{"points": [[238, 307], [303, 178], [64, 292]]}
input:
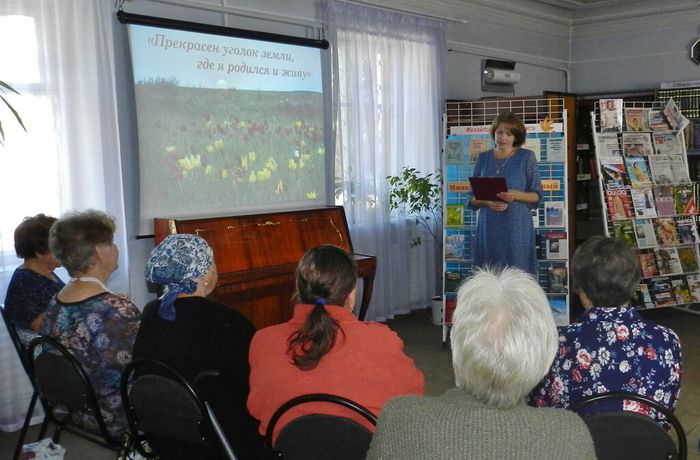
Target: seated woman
{"points": [[193, 334], [610, 347], [95, 324], [503, 342], [34, 282], [324, 348]]}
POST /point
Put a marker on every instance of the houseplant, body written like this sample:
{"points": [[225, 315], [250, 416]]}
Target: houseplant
{"points": [[4, 89], [419, 196]]}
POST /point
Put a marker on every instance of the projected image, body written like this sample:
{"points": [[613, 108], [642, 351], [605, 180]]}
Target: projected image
{"points": [[226, 124]]}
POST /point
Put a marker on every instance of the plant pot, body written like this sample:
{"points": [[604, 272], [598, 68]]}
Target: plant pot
{"points": [[436, 306]]}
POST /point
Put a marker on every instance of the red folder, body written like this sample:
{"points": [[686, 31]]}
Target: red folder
{"points": [[487, 188]]}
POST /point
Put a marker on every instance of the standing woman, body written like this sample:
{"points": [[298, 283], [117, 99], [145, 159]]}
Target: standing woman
{"points": [[504, 233]]}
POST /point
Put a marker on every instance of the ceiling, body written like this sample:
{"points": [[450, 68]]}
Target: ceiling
{"points": [[576, 5]]}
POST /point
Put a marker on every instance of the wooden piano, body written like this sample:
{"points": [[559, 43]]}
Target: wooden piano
{"points": [[256, 256]]}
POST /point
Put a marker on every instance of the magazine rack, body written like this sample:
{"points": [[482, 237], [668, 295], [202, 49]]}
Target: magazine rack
{"points": [[467, 130], [649, 200]]}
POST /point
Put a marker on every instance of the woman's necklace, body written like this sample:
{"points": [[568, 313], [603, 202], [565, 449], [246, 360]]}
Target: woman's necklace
{"points": [[500, 167], [90, 279]]}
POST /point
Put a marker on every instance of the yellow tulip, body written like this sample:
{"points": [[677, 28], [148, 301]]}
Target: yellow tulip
{"points": [[292, 165], [170, 149], [280, 188], [311, 195], [251, 156], [321, 151], [252, 179], [271, 164], [208, 170], [224, 173]]}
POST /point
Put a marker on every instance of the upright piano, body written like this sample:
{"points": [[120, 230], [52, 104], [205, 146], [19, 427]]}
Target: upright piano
{"points": [[256, 256]]}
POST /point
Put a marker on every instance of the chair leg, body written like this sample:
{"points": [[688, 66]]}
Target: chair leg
{"points": [[44, 426], [25, 427]]}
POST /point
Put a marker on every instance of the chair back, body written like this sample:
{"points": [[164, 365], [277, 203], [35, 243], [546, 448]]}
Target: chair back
{"points": [[625, 434], [160, 403], [14, 335], [63, 383], [321, 436]]}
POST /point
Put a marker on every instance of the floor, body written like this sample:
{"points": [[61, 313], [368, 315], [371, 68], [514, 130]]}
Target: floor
{"points": [[423, 342]]}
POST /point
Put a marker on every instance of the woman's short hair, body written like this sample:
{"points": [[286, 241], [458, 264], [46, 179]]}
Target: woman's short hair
{"points": [[325, 275], [503, 336], [516, 125], [32, 236], [606, 270], [73, 238]]}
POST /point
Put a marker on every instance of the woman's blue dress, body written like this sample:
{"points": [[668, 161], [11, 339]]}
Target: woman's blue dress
{"points": [[508, 238]]}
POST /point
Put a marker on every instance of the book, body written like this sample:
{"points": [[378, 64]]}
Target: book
{"points": [[608, 145], [452, 281], [624, 230], [610, 114], [647, 262], [454, 246], [645, 234], [636, 119], [637, 144], [619, 204], [693, 282], [665, 200], [662, 290], [679, 170], [477, 147], [684, 197], [613, 171], [560, 312], [454, 215], [689, 259], [638, 172], [666, 233], [557, 245], [488, 187], [657, 121], [554, 214], [680, 290], [555, 149], [661, 170], [668, 262], [642, 298], [643, 202], [667, 143], [454, 150], [540, 246], [557, 278], [687, 230]]}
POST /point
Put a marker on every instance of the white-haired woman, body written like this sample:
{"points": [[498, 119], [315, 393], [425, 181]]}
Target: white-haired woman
{"points": [[503, 342]]}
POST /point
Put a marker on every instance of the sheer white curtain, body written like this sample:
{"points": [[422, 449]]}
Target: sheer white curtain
{"points": [[59, 55], [387, 104]]}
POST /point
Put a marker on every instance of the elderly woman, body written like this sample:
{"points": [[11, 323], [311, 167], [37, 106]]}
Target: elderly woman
{"points": [[34, 282], [193, 334], [503, 342], [95, 324], [610, 347], [325, 349]]}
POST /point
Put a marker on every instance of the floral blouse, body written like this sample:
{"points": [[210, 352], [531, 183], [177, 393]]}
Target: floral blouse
{"points": [[100, 331], [609, 350], [28, 296]]}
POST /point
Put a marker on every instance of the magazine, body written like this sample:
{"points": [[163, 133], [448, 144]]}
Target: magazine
{"points": [[643, 202], [452, 281], [610, 114], [637, 119], [619, 204], [687, 230], [657, 120], [555, 149], [614, 173], [680, 290], [666, 233], [661, 171], [679, 169], [557, 246], [454, 215], [642, 298], [624, 230], [454, 150], [684, 196], [476, 147], [554, 214], [557, 278], [667, 143], [662, 291], [694, 287], [559, 310], [645, 234], [665, 200], [647, 262], [609, 145], [637, 144], [638, 172], [674, 117], [668, 262], [454, 246], [689, 259]]}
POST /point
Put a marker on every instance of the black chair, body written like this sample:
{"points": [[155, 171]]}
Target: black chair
{"points": [[163, 408], [23, 358], [629, 435], [320, 436], [64, 388]]}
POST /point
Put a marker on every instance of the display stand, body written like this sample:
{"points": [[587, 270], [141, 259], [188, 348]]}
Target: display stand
{"points": [[649, 201], [467, 134]]}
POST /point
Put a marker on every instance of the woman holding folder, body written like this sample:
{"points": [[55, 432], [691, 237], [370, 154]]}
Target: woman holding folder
{"points": [[505, 234]]}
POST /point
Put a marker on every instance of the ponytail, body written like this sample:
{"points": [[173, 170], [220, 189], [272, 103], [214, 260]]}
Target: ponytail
{"points": [[315, 338]]}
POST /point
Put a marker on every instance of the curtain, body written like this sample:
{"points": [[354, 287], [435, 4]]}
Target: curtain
{"points": [[59, 55], [387, 104]]}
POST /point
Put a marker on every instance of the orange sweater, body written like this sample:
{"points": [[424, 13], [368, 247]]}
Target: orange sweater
{"points": [[367, 365]]}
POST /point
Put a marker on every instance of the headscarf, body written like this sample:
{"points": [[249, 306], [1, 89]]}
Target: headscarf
{"points": [[175, 264]]}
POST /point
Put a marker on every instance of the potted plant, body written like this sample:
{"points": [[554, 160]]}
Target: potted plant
{"points": [[4, 89], [419, 196]]}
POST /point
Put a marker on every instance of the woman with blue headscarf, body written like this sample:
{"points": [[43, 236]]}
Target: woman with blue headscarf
{"points": [[191, 333]]}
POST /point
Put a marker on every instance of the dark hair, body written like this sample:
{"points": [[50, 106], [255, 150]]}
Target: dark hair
{"points": [[325, 275], [606, 270], [73, 238], [32, 236], [517, 127]]}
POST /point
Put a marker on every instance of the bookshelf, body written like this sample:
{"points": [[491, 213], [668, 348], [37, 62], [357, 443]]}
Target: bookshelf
{"points": [[649, 200], [467, 134]]}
